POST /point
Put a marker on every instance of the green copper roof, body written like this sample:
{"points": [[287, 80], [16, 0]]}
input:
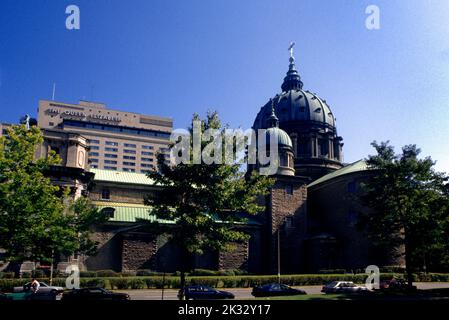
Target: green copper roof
{"points": [[350, 168], [129, 212], [280, 135], [132, 212], [121, 177]]}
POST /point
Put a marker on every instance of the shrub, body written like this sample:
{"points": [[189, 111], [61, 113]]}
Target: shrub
{"points": [[107, 273], [7, 285], [136, 283], [7, 275], [146, 273], [392, 269], [60, 282], [38, 274], [212, 281], [332, 271], [120, 283], [204, 272], [93, 282], [239, 272], [88, 274], [25, 275], [128, 274]]}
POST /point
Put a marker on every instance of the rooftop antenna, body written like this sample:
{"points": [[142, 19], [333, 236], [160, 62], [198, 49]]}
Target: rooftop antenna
{"points": [[54, 91]]}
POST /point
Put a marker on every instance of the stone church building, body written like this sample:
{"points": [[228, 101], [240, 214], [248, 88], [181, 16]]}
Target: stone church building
{"points": [[310, 216], [309, 223]]}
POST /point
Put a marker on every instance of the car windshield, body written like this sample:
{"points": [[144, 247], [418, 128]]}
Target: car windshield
{"points": [[350, 284], [97, 290], [332, 284], [275, 287], [205, 288]]}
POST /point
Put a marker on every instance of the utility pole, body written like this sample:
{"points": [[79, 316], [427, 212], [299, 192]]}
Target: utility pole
{"points": [[279, 255]]}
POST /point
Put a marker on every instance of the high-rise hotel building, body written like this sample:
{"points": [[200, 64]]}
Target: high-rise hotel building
{"points": [[117, 140]]}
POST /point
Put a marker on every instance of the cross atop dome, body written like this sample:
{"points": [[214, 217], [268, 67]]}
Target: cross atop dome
{"points": [[292, 80], [290, 48]]}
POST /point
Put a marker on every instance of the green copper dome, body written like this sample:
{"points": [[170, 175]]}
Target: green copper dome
{"points": [[280, 135]]}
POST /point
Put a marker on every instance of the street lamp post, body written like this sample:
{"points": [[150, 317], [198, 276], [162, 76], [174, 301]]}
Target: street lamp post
{"points": [[279, 255]]}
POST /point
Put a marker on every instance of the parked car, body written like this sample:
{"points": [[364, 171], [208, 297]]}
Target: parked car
{"points": [[200, 292], [93, 294], [396, 285], [343, 287], [28, 295], [44, 288], [3, 296], [275, 289]]}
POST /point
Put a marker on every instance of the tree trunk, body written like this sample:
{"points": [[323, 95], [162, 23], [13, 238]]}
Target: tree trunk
{"points": [[408, 264], [183, 284], [184, 267]]}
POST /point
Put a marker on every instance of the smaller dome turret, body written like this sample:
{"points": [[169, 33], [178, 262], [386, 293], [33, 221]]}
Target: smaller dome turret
{"points": [[284, 150], [274, 132]]}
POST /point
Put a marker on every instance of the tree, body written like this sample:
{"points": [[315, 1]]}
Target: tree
{"points": [[202, 199], [36, 220], [410, 202]]}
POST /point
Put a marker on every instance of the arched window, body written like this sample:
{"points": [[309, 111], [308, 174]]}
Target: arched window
{"points": [[108, 212], [284, 160]]}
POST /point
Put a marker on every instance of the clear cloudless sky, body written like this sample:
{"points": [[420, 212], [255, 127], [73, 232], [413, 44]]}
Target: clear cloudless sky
{"points": [[174, 58]]}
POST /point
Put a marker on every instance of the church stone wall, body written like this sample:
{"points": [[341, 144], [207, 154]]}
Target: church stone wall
{"points": [[119, 194], [334, 210], [139, 252], [235, 259], [288, 213], [109, 250]]}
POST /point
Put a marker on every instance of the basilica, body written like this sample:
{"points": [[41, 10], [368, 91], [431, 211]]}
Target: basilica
{"points": [[310, 218]]}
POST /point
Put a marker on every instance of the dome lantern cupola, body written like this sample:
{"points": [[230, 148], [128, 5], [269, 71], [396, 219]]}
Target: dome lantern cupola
{"points": [[292, 80]]}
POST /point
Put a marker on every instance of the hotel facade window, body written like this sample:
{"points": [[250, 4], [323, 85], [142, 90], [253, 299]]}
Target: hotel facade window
{"points": [[110, 134]]}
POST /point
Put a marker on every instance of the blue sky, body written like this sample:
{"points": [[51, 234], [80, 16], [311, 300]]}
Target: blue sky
{"points": [[174, 58]]}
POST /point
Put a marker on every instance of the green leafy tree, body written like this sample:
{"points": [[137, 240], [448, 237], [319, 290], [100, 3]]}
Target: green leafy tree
{"points": [[37, 219], [410, 200], [202, 200]]}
